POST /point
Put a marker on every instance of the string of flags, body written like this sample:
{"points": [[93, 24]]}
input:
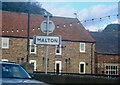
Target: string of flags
{"points": [[101, 18], [70, 23]]}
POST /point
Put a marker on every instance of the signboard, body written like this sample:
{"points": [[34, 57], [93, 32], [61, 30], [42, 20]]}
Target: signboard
{"points": [[44, 26], [47, 40]]}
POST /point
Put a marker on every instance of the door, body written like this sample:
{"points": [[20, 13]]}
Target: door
{"points": [[82, 68], [58, 67]]}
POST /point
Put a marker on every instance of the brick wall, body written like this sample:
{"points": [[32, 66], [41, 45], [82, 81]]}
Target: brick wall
{"points": [[17, 50], [102, 59]]}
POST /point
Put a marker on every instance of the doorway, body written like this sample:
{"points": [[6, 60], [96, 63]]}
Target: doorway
{"points": [[58, 67]]}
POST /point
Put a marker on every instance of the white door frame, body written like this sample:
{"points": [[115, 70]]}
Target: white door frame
{"points": [[80, 69], [33, 61], [60, 65], [4, 60]]}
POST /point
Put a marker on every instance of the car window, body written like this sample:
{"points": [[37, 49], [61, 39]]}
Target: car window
{"points": [[13, 71]]}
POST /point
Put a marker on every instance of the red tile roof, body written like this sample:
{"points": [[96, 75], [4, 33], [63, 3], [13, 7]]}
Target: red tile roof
{"points": [[15, 24]]}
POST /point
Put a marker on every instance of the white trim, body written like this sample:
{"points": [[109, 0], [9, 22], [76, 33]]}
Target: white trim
{"points": [[111, 69], [4, 60], [58, 48], [34, 62], [83, 68], [31, 43], [7, 43], [60, 65], [82, 50]]}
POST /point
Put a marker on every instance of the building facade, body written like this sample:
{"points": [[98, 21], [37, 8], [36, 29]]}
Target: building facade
{"points": [[108, 64], [75, 54], [107, 53]]}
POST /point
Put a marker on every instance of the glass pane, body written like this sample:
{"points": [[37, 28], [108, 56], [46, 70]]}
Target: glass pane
{"points": [[32, 48], [106, 67], [82, 47], [113, 72], [13, 71], [116, 72], [58, 51], [113, 67], [4, 42]]}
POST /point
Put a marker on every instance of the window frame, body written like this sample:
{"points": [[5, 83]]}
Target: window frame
{"points": [[58, 48], [32, 44], [6, 41], [111, 69], [82, 50]]}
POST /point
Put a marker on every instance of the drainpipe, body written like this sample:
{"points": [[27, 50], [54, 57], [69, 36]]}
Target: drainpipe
{"points": [[91, 58], [28, 33]]}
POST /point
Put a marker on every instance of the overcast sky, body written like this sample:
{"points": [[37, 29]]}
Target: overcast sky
{"points": [[85, 9]]}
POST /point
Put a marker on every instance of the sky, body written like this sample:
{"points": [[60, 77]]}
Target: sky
{"points": [[94, 15], [86, 11]]}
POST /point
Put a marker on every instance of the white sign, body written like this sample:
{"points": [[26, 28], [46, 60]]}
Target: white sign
{"points": [[44, 26], [47, 40]]}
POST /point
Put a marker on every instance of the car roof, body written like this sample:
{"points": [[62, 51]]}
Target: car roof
{"points": [[8, 63]]}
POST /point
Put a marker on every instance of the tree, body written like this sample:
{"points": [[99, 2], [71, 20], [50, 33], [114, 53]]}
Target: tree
{"points": [[35, 7]]}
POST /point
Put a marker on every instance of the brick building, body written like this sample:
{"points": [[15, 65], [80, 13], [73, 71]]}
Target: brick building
{"points": [[74, 55], [107, 53]]}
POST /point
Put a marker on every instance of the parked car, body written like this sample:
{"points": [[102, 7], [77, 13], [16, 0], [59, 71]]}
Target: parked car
{"points": [[14, 74]]}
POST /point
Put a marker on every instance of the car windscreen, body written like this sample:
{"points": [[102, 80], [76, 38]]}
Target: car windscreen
{"points": [[14, 71]]}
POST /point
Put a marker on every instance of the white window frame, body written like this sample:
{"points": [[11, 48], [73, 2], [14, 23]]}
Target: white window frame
{"points": [[33, 61], [82, 50], [110, 70], [80, 67], [60, 65], [31, 43], [6, 41], [58, 48]]}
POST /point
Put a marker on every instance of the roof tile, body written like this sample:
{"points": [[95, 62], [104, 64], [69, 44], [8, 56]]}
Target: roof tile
{"points": [[17, 22]]}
